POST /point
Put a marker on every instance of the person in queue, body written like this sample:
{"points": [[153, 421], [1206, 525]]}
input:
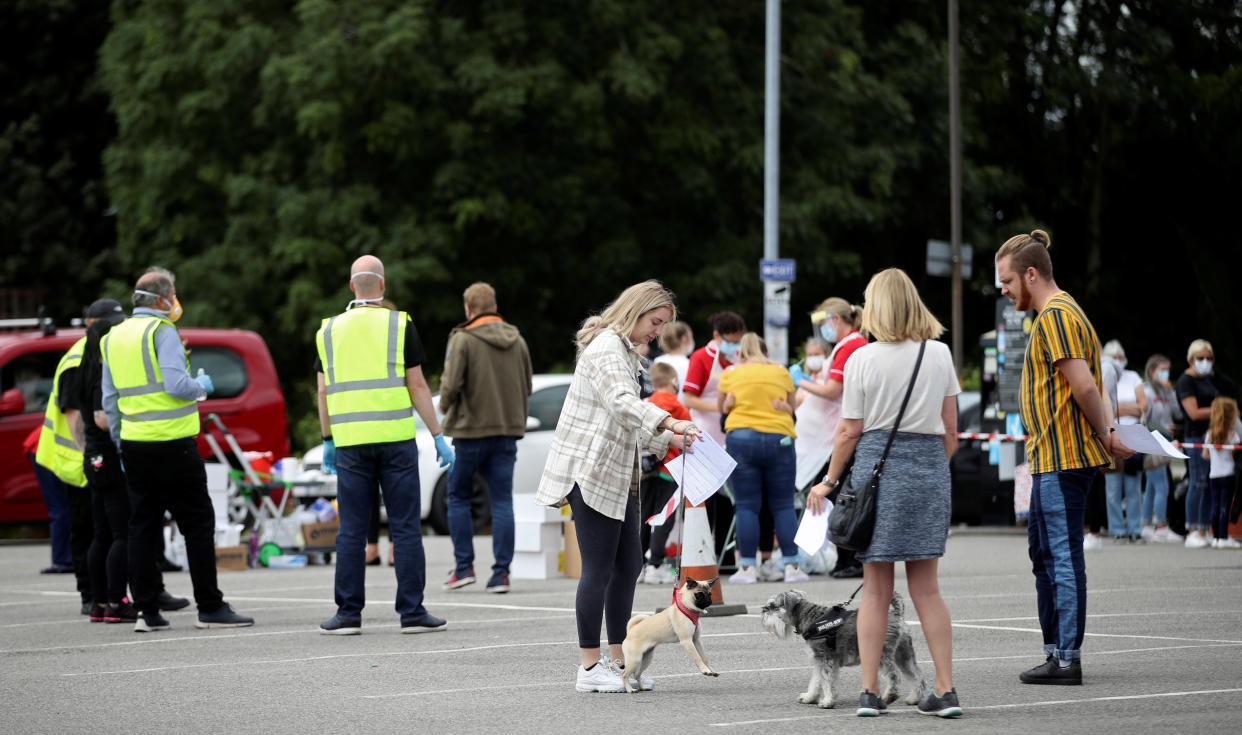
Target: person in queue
{"points": [[1164, 413], [593, 466], [1195, 391]]}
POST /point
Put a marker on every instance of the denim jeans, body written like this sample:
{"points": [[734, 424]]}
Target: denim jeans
{"points": [[1117, 485], [394, 466], [1198, 502], [493, 456], [1156, 497], [1221, 491], [765, 471], [56, 498], [1054, 535]]}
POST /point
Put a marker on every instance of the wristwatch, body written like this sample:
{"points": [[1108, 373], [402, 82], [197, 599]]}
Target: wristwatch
{"points": [[832, 484]]}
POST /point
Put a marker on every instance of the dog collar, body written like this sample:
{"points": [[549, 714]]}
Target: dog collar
{"points": [[694, 616]]}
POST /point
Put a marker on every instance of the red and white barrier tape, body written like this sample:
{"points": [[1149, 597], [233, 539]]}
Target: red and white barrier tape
{"points": [[1023, 437]]}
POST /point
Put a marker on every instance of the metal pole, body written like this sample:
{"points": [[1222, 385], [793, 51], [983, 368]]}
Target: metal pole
{"points": [[776, 337], [955, 181]]}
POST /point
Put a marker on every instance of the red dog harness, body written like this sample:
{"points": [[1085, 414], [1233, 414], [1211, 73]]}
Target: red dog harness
{"points": [[694, 617]]}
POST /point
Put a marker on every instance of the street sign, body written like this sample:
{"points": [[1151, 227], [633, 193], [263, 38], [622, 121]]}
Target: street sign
{"points": [[778, 269], [940, 258]]}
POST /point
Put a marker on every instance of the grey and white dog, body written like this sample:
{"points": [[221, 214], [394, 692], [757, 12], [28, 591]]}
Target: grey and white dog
{"points": [[791, 611]]}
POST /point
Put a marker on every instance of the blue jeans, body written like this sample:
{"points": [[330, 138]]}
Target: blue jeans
{"points": [[1054, 535], [766, 466], [394, 466], [56, 498], [1156, 498], [1221, 491], [1198, 502], [1118, 488], [493, 456]]}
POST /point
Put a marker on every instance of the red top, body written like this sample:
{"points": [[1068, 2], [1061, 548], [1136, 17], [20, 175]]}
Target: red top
{"points": [[851, 342], [669, 402], [700, 370]]}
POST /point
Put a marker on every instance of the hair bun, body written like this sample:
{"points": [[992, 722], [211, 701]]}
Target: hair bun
{"points": [[1041, 236]]}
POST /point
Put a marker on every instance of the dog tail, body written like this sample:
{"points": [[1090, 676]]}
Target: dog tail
{"points": [[635, 621], [898, 605]]}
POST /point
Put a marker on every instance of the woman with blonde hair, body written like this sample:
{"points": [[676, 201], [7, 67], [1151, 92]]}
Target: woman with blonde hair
{"points": [[677, 341], [912, 508], [593, 466], [1195, 392]]}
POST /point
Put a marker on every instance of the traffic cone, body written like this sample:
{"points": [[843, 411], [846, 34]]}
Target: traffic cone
{"points": [[698, 558]]}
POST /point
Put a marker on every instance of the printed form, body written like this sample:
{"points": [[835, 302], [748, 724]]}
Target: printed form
{"points": [[705, 471]]}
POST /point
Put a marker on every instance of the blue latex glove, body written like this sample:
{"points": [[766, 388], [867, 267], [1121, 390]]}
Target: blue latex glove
{"points": [[795, 372], [444, 451], [205, 380], [329, 457]]}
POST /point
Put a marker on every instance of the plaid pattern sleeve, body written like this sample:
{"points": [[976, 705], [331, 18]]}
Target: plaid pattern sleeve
{"points": [[602, 426], [1061, 438]]}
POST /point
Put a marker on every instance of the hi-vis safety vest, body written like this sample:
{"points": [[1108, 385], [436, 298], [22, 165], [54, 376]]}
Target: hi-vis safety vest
{"points": [[58, 450], [148, 413], [362, 354]]}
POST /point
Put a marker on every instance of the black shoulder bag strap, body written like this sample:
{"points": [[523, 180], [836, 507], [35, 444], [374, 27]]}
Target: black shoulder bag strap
{"points": [[879, 467]]}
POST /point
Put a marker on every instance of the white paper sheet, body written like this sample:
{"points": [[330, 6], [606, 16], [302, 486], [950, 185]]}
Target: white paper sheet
{"points": [[813, 530], [1138, 438], [706, 469]]}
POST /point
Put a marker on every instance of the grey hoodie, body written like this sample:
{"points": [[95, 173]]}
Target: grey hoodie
{"points": [[487, 380]]}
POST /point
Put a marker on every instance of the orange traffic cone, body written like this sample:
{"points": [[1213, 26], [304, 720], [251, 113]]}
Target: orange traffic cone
{"points": [[697, 558]]}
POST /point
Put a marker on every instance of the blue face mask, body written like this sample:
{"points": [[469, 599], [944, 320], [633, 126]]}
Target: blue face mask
{"points": [[828, 332], [727, 348], [1162, 376]]}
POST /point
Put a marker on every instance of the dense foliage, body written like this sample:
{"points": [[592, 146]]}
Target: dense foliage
{"points": [[562, 149]]}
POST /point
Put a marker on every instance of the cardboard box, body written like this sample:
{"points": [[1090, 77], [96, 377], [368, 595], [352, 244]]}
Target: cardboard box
{"points": [[571, 563], [321, 534], [232, 558]]}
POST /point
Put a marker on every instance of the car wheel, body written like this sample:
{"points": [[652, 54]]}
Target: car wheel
{"points": [[480, 507]]}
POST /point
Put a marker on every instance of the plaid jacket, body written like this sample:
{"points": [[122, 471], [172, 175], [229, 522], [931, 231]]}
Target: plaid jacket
{"points": [[603, 426]]}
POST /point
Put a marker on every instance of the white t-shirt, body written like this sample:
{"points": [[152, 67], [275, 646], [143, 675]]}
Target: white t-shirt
{"points": [[876, 378], [681, 364], [1221, 460], [1126, 393]]}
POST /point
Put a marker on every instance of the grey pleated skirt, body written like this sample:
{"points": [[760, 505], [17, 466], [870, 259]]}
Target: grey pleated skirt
{"points": [[912, 514]]}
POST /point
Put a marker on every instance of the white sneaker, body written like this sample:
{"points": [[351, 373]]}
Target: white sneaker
{"points": [[1148, 534], [600, 678], [1196, 540], [642, 574], [745, 575], [1226, 543], [1166, 536], [648, 684], [1092, 542], [658, 575], [770, 571], [794, 574]]}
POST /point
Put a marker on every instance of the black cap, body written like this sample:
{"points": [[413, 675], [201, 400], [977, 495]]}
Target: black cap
{"points": [[109, 309]]}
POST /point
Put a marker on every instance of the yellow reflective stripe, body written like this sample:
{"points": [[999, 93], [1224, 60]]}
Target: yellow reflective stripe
{"points": [[163, 415], [395, 414]]}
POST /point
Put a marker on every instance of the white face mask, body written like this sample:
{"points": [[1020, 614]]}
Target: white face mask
{"points": [[814, 363], [1203, 367], [358, 302]]}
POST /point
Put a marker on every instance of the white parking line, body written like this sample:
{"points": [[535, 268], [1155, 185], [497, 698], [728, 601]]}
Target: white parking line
{"points": [[844, 712]]}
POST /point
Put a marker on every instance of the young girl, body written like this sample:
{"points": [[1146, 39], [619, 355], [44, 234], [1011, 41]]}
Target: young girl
{"points": [[1221, 430]]}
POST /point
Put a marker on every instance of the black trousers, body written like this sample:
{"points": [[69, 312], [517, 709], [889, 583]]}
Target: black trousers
{"points": [[108, 560], [169, 476], [81, 532], [612, 557]]}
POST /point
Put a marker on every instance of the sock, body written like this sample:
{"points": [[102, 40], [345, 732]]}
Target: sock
{"points": [[591, 666], [1065, 663]]}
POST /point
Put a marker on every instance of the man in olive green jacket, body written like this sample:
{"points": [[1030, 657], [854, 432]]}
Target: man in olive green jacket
{"points": [[483, 395]]}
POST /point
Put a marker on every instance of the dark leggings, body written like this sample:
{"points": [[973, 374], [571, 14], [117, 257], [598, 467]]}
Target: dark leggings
{"points": [[612, 557], [1221, 489], [109, 549]]}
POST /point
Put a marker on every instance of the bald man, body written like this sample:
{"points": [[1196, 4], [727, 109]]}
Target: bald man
{"points": [[370, 380]]}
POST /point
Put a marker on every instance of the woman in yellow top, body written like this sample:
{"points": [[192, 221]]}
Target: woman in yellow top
{"points": [[758, 396]]}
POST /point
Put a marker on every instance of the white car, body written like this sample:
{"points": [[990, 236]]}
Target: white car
{"points": [[546, 398]]}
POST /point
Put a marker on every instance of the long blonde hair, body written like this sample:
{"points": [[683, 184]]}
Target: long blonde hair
{"points": [[624, 312], [893, 311], [1224, 416]]}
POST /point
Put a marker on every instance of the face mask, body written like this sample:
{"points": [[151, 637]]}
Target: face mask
{"points": [[173, 313], [1120, 362], [1203, 367], [828, 332], [357, 302], [727, 348], [815, 363], [1162, 376]]}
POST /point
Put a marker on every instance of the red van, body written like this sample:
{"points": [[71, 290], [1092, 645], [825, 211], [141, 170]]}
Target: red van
{"points": [[247, 399]]}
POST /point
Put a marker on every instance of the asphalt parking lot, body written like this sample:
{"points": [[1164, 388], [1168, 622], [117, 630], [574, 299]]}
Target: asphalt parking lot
{"points": [[1163, 655]]}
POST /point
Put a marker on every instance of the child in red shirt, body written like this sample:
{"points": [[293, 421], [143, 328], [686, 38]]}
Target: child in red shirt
{"points": [[658, 486]]}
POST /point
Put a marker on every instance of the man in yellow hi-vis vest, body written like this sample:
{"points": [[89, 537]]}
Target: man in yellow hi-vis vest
{"points": [[370, 381], [151, 404]]}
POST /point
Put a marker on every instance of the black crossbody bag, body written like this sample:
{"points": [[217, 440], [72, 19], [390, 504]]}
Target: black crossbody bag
{"points": [[853, 516]]}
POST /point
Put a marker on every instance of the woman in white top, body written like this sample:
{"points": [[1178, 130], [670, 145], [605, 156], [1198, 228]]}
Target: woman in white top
{"points": [[1125, 487], [593, 466], [677, 341], [913, 506]]}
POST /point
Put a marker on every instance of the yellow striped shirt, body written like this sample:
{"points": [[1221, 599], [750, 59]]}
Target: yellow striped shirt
{"points": [[1061, 438]]}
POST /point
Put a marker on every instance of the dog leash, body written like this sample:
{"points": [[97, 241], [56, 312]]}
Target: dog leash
{"points": [[847, 602]]}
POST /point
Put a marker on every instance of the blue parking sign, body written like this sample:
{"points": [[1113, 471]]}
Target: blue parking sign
{"points": [[777, 269]]}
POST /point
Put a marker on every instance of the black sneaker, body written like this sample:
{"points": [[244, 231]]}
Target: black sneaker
{"points": [[459, 579], [499, 582], [854, 571], [97, 613], [150, 622], [426, 624], [168, 603], [86, 607], [1051, 672], [57, 569], [222, 617], [121, 613], [944, 705], [870, 704], [164, 565], [341, 626]]}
